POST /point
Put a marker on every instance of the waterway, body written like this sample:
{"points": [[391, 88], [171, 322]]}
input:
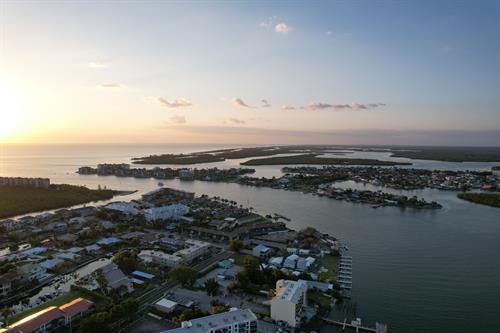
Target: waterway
{"points": [[415, 270]]}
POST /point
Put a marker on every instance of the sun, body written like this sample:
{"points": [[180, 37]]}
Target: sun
{"points": [[11, 111]]}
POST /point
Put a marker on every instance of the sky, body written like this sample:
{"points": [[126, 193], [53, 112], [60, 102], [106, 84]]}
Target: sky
{"points": [[337, 72]]}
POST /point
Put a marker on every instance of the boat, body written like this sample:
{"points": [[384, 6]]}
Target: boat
{"points": [[160, 184]]}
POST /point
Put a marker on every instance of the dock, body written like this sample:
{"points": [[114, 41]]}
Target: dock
{"points": [[379, 328], [344, 277]]}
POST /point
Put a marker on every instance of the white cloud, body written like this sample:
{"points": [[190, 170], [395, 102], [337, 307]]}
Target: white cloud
{"points": [[313, 106], [237, 121], [111, 85], [237, 101], [176, 103], [282, 28], [178, 119], [288, 107], [97, 65]]}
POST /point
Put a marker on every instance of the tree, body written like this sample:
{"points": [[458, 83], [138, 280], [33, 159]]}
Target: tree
{"points": [[6, 312], [219, 309], [96, 323], [126, 260], [212, 287], [183, 274], [101, 280], [124, 310], [189, 315], [236, 245]]}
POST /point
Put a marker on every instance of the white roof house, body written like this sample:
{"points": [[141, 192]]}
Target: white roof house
{"points": [[276, 261], [291, 261], [124, 207], [261, 251]]}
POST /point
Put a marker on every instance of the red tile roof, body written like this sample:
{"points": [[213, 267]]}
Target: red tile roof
{"points": [[76, 306], [34, 321]]}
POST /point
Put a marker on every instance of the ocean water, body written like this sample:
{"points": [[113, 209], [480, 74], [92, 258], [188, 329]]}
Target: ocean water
{"points": [[416, 271]]}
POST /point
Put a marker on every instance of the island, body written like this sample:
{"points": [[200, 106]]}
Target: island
{"points": [[308, 155], [314, 159], [22, 199], [488, 199], [449, 154]]}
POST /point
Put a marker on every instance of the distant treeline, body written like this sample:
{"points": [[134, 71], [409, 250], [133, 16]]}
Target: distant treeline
{"points": [[17, 200], [489, 199]]}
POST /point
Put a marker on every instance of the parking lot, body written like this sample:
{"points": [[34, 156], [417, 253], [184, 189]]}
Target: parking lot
{"points": [[243, 302]]}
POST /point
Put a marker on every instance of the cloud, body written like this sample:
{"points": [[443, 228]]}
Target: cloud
{"points": [[178, 119], [314, 106], [288, 107], [282, 28], [176, 103], [237, 121], [97, 65], [265, 103], [237, 101], [268, 23], [111, 85]]}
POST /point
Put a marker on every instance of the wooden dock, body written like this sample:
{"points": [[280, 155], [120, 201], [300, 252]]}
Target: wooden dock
{"points": [[379, 328]]}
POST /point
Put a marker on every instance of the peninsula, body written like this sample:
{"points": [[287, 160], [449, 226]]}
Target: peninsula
{"points": [[19, 199], [314, 159], [307, 155]]}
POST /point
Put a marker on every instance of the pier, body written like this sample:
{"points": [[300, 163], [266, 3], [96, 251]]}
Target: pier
{"points": [[379, 328], [344, 277]]}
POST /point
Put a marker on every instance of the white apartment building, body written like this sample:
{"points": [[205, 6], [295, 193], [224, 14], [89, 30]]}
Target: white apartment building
{"points": [[233, 321], [194, 250], [160, 258], [290, 301], [169, 212]]}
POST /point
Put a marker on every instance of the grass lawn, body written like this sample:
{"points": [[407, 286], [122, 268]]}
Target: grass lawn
{"points": [[63, 299], [17, 200], [332, 264]]}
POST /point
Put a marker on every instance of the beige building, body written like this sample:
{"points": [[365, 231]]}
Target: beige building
{"points": [[290, 301], [193, 250]]}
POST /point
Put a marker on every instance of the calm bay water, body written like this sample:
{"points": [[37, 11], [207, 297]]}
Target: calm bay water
{"points": [[417, 271]]}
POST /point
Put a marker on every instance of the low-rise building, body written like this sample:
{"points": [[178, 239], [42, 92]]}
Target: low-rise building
{"points": [[169, 212], [234, 320], [51, 318], [261, 251], [116, 279]]}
